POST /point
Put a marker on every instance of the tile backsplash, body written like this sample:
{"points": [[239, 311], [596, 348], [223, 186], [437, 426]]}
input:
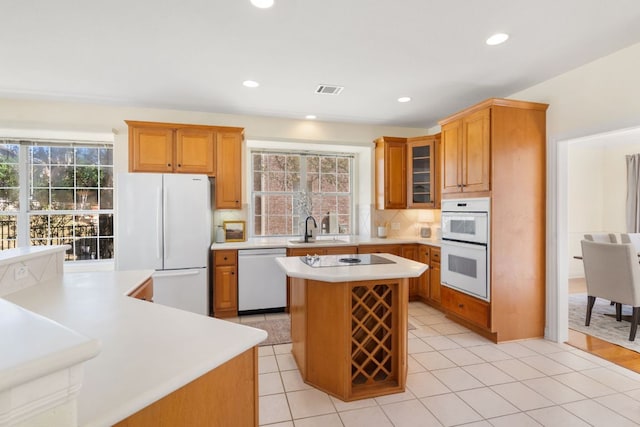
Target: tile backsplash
{"points": [[404, 222]]}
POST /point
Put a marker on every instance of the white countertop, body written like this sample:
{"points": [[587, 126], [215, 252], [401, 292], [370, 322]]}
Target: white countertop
{"points": [[34, 346], [401, 268], [148, 350], [286, 242]]}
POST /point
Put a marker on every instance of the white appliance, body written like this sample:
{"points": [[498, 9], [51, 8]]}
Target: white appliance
{"points": [[163, 222], [262, 284], [465, 246]]}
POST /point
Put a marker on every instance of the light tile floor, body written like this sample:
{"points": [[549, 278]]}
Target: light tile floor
{"points": [[457, 377]]}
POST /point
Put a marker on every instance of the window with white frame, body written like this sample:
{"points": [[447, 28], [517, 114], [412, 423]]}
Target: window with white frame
{"points": [[288, 187], [54, 193]]}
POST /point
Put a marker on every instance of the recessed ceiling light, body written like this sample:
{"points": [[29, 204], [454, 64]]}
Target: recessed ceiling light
{"points": [[497, 39], [262, 4], [404, 99], [250, 83], [310, 117]]}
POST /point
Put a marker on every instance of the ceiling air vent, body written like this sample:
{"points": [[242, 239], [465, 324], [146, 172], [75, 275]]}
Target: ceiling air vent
{"points": [[329, 89]]}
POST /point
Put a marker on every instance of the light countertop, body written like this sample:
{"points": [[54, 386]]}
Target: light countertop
{"points": [[401, 268], [147, 350], [286, 242]]}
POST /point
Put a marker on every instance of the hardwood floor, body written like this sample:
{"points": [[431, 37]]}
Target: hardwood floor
{"points": [[611, 352], [604, 349]]}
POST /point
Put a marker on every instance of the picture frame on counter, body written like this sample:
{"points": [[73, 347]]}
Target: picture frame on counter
{"points": [[234, 231]]}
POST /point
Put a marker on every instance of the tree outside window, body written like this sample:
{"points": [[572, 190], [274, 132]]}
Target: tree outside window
{"points": [[70, 197], [288, 187]]}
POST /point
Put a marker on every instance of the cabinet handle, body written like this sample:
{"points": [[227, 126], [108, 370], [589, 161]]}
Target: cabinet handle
{"points": [[225, 258], [460, 305], [179, 165], [168, 164], [233, 273]]}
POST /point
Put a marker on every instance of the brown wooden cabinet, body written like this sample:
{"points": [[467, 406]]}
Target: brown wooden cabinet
{"points": [[195, 151], [228, 183], [466, 148], [225, 283], [411, 252], [497, 148], [422, 181], [434, 277], [424, 256], [171, 148], [144, 291], [379, 249], [224, 396], [390, 173]]}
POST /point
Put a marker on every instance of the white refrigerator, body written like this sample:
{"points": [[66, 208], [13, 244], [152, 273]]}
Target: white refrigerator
{"points": [[163, 222]]}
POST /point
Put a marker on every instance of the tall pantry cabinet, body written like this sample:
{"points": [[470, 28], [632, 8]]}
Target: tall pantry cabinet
{"points": [[497, 149]]}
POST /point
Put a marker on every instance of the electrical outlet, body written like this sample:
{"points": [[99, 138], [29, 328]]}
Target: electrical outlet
{"points": [[21, 272], [395, 226]]}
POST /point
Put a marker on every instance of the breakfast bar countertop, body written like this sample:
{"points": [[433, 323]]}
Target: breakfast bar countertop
{"points": [[399, 268], [146, 350]]}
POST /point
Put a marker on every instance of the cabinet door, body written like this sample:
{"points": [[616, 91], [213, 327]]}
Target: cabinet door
{"points": [[411, 252], [228, 182], [150, 149], [476, 151], [395, 175], [434, 275], [225, 291], [450, 171], [421, 186], [340, 250], [423, 281], [195, 151]]}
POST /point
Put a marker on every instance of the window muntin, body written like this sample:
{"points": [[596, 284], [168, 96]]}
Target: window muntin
{"points": [[286, 187], [69, 189]]}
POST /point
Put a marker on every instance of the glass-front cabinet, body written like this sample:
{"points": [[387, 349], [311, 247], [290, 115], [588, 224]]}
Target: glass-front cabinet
{"points": [[422, 183]]}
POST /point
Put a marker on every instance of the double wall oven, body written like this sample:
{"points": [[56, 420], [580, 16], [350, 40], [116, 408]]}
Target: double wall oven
{"points": [[465, 246]]}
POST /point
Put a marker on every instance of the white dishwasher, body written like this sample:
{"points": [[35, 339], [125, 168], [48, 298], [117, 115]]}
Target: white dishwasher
{"points": [[262, 284]]}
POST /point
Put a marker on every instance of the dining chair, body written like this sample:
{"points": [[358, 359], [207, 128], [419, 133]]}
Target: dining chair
{"points": [[602, 237], [633, 238], [612, 272]]}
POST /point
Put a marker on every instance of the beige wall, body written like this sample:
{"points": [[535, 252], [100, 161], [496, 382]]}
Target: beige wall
{"points": [[49, 115]]}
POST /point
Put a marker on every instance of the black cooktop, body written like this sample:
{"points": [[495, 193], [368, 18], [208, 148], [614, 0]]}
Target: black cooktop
{"points": [[343, 260]]}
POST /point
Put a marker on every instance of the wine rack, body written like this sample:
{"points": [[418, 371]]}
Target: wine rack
{"points": [[372, 337]]}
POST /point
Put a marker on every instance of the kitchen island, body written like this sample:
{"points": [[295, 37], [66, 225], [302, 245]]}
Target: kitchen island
{"points": [[150, 364], [349, 322]]}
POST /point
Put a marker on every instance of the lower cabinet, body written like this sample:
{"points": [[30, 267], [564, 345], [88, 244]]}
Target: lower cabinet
{"points": [[379, 249], [224, 396], [411, 252], [424, 256], [144, 291], [225, 283], [466, 307], [434, 277]]}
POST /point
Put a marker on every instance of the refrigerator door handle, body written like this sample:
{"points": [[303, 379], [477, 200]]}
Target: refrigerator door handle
{"points": [[164, 224], [158, 222], [175, 273]]}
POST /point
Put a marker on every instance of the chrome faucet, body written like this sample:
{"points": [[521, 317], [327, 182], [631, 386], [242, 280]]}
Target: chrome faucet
{"points": [[306, 228]]}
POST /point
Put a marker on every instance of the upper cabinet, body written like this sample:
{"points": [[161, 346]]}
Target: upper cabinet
{"points": [[405, 172], [466, 148], [194, 152], [391, 173], [229, 170], [422, 183], [179, 148]]}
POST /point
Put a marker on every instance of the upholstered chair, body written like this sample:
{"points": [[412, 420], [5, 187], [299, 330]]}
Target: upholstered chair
{"points": [[602, 238], [612, 272], [633, 238]]}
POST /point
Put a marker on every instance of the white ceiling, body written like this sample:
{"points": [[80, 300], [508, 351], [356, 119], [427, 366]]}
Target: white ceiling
{"points": [[194, 54]]}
